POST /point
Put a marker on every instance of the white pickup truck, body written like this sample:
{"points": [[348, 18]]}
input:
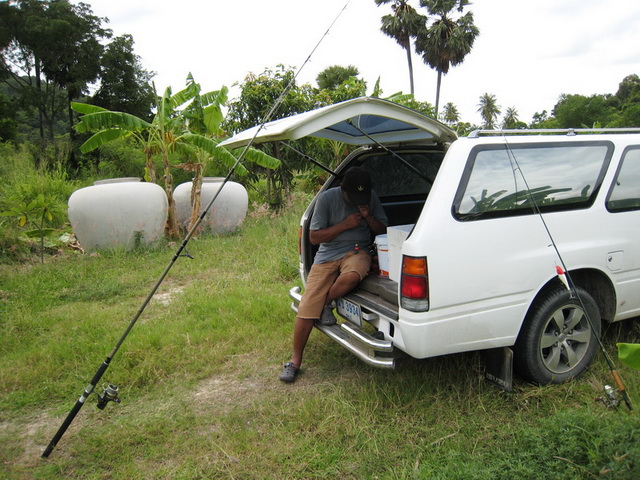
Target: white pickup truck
{"points": [[520, 241]]}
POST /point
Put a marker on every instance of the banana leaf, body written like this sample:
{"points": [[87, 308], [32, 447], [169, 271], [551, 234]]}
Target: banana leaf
{"points": [[260, 158], [101, 120], [85, 108], [102, 137], [211, 147], [629, 354]]}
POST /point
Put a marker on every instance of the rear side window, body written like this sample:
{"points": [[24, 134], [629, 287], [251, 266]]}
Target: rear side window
{"points": [[625, 192], [503, 180]]}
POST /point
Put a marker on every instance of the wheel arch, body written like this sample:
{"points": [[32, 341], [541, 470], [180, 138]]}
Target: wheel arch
{"points": [[593, 281]]}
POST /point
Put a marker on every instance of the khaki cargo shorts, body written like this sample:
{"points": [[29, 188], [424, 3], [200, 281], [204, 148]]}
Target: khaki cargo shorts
{"points": [[323, 275]]}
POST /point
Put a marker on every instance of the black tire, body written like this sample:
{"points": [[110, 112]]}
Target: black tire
{"points": [[557, 341]]}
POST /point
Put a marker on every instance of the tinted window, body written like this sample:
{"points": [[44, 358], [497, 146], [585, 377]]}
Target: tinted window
{"points": [[625, 192], [503, 181], [391, 177]]}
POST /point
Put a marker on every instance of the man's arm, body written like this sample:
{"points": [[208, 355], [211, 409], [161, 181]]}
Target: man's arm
{"points": [[375, 225], [327, 234]]}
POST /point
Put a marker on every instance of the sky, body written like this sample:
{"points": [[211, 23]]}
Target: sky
{"points": [[528, 52]]}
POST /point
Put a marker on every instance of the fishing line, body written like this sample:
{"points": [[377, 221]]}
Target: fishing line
{"points": [[565, 271], [391, 152], [110, 393]]}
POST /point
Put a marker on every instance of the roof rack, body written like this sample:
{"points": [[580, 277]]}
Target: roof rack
{"points": [[557, 131]]}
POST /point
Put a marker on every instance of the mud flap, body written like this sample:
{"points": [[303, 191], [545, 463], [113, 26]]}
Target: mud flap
{"points": [[499, 367]]}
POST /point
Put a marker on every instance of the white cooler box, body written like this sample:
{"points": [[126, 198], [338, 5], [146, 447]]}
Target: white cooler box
{"points": [[396, 236]]}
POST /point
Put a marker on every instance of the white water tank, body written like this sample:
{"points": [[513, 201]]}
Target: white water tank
{"points": [[227, 212], [118, 213]]}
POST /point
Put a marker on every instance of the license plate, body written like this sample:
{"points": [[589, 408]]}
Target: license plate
{"points": [[350, 311]]}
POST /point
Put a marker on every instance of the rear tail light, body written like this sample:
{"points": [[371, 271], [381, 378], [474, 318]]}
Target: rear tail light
{"points": [[414, 284]]}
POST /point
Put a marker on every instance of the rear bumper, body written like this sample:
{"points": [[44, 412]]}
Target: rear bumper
{"points": [[373, 351]]}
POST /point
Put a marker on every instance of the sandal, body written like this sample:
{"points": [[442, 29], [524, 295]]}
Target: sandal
{"points": [[327, 318], [289, 373]]}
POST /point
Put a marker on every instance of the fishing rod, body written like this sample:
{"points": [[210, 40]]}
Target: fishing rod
{"points": [[312, 160], [110, 393], [565, 277]]}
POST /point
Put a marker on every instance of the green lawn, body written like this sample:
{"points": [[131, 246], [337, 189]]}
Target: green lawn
{"points": [[201, 398]]}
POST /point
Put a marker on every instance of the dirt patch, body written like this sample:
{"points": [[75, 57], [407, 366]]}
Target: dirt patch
{"points": [[247, 381], [31, 437], [165, 298]]}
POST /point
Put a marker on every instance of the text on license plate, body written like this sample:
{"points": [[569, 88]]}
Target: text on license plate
{"points": [[349, 310]]}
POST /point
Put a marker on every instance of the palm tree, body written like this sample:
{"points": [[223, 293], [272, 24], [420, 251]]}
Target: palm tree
{"points": [[447, 41], [510, 118], [489, 110], [332, 77], [402, 26], [451, 114]]}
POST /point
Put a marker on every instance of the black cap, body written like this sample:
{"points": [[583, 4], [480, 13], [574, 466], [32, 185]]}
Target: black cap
{"points": [[356, 183]]}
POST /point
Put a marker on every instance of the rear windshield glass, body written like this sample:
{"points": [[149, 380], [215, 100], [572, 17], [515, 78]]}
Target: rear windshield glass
{"points": [[392, 177], [502, 181]]}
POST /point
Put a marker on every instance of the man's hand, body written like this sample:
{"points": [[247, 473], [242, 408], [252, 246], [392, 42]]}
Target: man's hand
{"points": [[352, 221], [364, 210]]}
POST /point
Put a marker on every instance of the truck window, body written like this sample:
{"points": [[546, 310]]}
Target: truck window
{"points": [[625, 192], [505, 180]]}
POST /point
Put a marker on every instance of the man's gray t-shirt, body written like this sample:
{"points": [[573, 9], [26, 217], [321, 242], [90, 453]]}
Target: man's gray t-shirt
{"points": [[331, 208]]}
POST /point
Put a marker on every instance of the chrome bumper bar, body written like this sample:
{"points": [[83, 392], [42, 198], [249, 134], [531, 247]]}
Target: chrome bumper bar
{"points": [[370, 350]]}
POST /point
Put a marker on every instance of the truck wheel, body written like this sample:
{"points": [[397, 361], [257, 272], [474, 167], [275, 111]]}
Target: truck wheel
{"points": [[557, 341]]}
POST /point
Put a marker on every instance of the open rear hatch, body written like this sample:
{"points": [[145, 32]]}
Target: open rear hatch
{"points": [[381, 121]]}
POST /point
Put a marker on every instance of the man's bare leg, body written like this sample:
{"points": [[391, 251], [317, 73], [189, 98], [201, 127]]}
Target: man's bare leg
{"points": [[301, 331], [343, 285]]}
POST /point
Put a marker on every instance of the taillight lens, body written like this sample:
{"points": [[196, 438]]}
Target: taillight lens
{"points": [[414, 284]]}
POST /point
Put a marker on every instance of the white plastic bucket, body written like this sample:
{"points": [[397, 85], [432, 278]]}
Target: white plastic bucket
{"points": [[383, 254]]}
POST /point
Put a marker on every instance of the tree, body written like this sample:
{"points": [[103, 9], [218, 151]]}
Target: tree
{"points": [[352, 87], [447, 41], [578, 111], [258, 94], [628, 96], [403, 26], [124, 85], [8, 123], [54, 45], [451, 114], [510, 119], [21, 66], [489, 110], [629, 85], [332, 77]]}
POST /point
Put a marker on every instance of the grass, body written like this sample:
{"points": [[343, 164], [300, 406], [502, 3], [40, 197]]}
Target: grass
{"points": [[201, 399]]}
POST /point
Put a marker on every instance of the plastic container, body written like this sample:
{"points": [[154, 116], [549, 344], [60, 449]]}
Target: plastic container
{"points": [[383, 255], [118, 213], [226, 214]]}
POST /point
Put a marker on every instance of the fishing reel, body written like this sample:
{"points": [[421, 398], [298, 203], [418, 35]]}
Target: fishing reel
{"points": [[610, 397], [109, 394]]}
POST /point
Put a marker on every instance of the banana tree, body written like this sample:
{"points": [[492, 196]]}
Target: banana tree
{"points": [[160, 136], [190, 131]]}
